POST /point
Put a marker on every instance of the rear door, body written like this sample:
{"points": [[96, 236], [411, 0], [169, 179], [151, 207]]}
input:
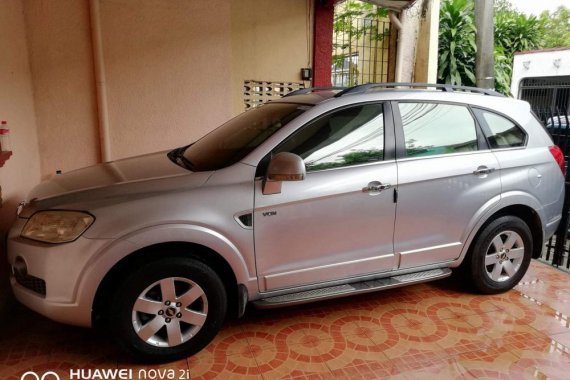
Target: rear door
{"points": [[446, 174]]}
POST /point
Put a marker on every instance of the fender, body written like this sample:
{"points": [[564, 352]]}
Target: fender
{"points": [[110, 254], [490, 208]]}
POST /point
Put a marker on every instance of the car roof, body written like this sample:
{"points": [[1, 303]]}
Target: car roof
{"points": [[330, 99], [316, 95]]}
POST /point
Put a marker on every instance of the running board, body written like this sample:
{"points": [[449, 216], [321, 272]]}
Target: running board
{"points": [[350, 289]]}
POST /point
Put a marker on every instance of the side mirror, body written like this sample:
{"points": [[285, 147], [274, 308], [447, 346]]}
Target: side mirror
{"points": [[283, 166]]}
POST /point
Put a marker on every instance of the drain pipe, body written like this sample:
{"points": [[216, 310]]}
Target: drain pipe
{"points": [[394, 20], [101, 87]]}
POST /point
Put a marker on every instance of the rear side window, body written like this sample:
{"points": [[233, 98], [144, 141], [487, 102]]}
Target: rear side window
{"points": [[431, 129], [504, 133], [345, 137]]}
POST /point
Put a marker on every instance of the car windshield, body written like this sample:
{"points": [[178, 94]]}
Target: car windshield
{"points": [[233, 140]]}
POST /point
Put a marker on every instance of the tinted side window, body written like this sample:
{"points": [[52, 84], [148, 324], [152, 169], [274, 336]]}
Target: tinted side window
{"points": [[238, 137], [349, 136], [431, 129], [504, 133]]}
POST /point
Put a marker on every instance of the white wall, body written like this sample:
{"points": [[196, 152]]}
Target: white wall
{"points": [[544, 63]]}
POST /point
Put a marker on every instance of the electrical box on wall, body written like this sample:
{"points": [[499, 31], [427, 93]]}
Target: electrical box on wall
{"points": [[306, 73]]}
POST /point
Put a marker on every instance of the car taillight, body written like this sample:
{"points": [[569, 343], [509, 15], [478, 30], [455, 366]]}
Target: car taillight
{"points": [[558, 157]]}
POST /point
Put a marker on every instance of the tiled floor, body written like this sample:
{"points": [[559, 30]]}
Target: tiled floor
{"points": [[435, 330]]}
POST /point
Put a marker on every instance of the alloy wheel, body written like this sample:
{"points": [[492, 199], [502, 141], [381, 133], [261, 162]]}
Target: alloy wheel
{"points": [[504, 256], [170, 312]]}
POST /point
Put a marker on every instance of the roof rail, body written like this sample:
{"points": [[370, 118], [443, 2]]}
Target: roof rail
{"points": [[312, 89], [437, 86]]}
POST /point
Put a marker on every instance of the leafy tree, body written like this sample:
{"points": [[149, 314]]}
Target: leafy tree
{"points": [[457, 43], [503, 70], [514, 32], [555, 28]]}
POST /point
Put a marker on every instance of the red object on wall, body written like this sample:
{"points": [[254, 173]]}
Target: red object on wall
{"points": [[322, 51], [4, 156]]}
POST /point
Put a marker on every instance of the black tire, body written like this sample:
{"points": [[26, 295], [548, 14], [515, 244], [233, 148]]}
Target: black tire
{"points": [[494, 277], [184, 275]]}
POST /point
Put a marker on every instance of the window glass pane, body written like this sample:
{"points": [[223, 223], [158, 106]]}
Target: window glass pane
{"points": [[235, 139], [431, 129], [347, 137], [505, 133]]}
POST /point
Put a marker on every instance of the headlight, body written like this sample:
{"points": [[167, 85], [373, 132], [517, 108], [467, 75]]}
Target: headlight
{"points": [[57, 226]]}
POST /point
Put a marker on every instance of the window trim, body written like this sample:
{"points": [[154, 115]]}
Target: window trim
{"points": [[478, 112], [389, 149], [482, 143]]}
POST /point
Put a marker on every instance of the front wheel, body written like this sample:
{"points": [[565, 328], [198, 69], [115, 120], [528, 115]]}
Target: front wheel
{"points": [[501, 255], [168, 309]]}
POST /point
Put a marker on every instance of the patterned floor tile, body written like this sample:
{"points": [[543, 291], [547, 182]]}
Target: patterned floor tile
{"points": [[433, 330], [491, 363], [445, 369]]}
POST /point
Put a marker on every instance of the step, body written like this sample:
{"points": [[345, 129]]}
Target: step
{"points": [[350, 289]]}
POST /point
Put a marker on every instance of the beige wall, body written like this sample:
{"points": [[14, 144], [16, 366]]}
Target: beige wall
{"points": [[269, 42], [168, 71], [62, 76], [174, 69], [22, 170]]}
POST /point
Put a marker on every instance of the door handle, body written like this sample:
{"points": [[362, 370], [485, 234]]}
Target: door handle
{"points": [[483, 170], [375, 187]]}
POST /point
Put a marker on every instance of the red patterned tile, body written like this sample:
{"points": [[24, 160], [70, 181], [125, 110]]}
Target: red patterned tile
{"points": [[432, 330]]}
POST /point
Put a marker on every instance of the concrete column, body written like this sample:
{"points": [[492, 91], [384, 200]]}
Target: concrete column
{"points": [[485, 60], [322, 54], [427, 43]]}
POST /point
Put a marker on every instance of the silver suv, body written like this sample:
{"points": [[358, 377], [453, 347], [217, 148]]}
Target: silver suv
{"points": [[317, 195]]}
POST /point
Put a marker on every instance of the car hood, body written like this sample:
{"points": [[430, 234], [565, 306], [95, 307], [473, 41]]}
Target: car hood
{"points": [[133, 176]]}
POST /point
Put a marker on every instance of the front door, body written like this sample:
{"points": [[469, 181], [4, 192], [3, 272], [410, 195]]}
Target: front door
{"points": [[338, 222]]}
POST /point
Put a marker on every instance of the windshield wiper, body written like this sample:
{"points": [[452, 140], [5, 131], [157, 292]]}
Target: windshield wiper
{"points": [[177, 156]]}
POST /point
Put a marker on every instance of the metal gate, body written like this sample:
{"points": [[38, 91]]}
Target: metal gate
{"points": [[361, 44], [549, 98]]}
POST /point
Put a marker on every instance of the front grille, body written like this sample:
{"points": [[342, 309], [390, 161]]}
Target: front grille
{"points": [[30, 282]]}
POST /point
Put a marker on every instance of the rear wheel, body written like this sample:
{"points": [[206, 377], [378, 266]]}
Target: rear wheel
{"points": [[168, 309], [501, 255]]}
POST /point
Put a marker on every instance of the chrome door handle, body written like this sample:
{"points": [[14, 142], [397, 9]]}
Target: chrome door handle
{"points": [[482, 170], [376, 187]]}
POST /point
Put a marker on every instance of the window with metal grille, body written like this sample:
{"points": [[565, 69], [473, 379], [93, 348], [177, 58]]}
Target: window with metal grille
{"points": [[361, 44]]}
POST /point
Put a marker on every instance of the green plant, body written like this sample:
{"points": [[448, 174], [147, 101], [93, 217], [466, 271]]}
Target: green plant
{"points": [[457, 43], [513, 32], [503, 71], [555, 28], [516, 32]]}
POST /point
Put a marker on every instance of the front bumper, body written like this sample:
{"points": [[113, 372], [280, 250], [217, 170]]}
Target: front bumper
{"points": [[52, 285]]}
